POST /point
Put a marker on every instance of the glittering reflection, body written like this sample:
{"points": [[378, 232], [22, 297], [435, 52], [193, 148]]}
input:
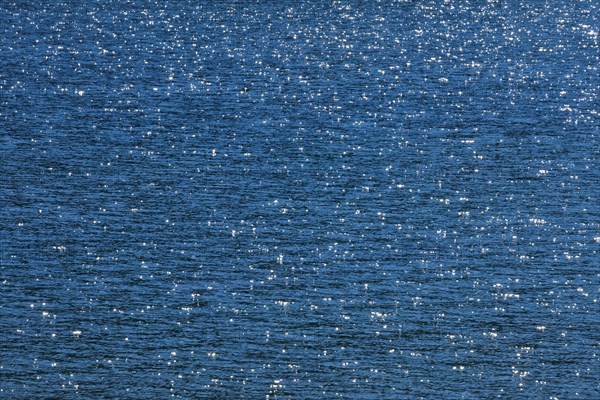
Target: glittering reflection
{"points": [[318, 200]]}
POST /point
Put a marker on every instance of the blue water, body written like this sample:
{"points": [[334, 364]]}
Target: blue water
{"points": [[300, 200]]}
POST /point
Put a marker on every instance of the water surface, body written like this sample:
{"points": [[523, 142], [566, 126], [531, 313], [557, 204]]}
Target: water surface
{"points": [[299, 200]]}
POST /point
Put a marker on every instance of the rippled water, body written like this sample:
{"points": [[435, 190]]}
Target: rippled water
{"points": [[318, 199]]}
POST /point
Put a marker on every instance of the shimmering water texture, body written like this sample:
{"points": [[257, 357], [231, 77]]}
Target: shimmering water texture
{"points": [[300, 199]]}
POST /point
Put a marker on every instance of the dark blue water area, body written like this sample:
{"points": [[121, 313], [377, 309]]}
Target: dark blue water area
{"points": [[300, 199]]}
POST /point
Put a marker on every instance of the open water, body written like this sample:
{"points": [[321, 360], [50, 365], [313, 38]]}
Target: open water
{"points": [[300, 199]]}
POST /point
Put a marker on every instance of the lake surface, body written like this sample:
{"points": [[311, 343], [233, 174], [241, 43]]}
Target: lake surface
{"points": [[300, 199]]}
